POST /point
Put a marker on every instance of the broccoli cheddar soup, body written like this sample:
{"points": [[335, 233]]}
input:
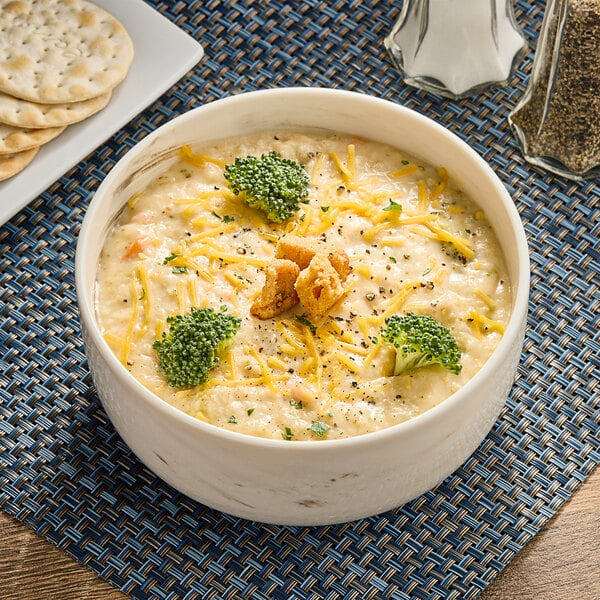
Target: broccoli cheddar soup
{"points": [[302, 286]]}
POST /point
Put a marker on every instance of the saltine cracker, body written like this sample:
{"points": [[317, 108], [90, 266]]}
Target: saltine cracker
{"points": [[23, 113], [11, 164], [55, 51], [17, 139]]}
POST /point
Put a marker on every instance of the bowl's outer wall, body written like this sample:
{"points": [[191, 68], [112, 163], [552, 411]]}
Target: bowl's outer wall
{"points": [[303, 483]]}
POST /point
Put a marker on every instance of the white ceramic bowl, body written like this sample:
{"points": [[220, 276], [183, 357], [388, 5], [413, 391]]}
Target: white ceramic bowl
{"points": [[312, 482]]}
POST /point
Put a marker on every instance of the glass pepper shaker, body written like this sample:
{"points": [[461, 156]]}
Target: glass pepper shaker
{"points": [[557, 122], [456, 48]]}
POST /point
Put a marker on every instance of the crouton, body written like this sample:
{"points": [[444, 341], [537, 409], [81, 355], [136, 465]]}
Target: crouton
{"points": [[296, 248], [319, 286], [302, 250], [340, 262], [278, 293]]}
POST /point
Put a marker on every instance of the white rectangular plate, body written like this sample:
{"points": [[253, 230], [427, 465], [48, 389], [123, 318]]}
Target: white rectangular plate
{"points": [[163, 54]]}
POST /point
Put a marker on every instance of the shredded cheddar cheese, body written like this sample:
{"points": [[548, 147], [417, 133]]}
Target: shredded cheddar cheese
{"points": [[343, 169], [486, 299], [372, 354], [313, 352], [215, 231], [132, 319], [131, 202], [243, 382], [199, 160], [483, 324], [235, 280], [347, 362], [182, 297], [232, 365], [460, 244], [276, 363], [317, 170], [363, 270], [113, 341], [352, 162], [237, 258], [307, 366], [159, 329], [404, 171], [145, 296], [266, 372], [441, 186]]}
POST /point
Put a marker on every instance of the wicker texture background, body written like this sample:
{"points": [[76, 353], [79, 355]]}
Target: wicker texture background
{"points": [[66, 474]]}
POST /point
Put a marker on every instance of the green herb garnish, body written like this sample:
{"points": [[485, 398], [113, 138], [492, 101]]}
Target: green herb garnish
{"points": [[393, 206], [173, 256], [304, 321], [225, 219], [319, 428]]}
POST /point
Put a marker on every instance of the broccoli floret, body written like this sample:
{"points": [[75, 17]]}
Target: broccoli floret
{"points": [[270, 183], [420, 341], [193, 344]]}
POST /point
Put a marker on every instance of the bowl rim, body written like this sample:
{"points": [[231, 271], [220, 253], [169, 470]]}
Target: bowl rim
{"points": [[412, 426]]}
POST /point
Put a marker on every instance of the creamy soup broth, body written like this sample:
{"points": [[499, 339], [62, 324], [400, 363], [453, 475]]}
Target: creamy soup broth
{"points": [[437, 255]]}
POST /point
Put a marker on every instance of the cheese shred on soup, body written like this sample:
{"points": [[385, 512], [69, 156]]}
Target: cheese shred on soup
{"points": [[391, 236]]}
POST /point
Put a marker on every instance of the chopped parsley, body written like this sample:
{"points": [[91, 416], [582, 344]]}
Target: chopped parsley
{"points": [[304, 321], [171, 257], [288, 435], [393, 206], [319, 428], [232, 419], [250, 411], [179, 270], [225, 218], [297, 404]]}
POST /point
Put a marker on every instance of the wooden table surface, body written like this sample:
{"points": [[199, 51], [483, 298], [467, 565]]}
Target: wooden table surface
{"points": [[561, 563]]}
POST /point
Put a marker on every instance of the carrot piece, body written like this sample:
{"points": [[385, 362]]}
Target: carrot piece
{"points": [[357, 140], [136, 247]]}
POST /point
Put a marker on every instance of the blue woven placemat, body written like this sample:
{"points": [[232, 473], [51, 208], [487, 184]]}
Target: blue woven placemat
{"points": [[66, 473]]}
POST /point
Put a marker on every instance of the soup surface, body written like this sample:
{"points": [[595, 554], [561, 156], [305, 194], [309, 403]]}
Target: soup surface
{"points": [[411, 242]]}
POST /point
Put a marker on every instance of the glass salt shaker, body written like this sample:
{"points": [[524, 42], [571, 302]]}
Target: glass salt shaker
{"points": [[456, 48], [557, 122]]}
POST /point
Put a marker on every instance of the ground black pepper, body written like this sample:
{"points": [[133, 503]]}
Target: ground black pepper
{"points": [[558, 120]]}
